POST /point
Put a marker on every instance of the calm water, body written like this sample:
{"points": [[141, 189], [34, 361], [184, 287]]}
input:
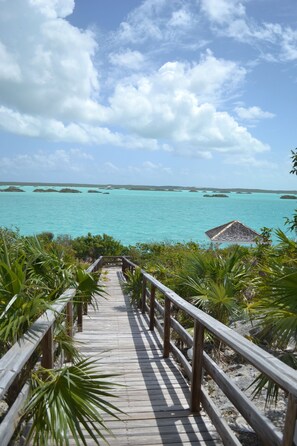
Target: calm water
{"points": [[138, 216]]}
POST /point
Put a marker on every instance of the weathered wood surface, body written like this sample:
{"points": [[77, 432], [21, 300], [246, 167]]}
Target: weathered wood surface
{"points": [[155, 396]]}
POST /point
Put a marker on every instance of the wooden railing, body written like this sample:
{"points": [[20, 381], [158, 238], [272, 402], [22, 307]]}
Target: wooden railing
{"points": [[37, 344], [160, 317], [39, 338]]}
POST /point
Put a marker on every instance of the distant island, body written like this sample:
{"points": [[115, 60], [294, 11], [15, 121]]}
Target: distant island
{"points": [[12, 189], [71, 188], [289, 197], [216, 196], [45, 190], [66, 190]]}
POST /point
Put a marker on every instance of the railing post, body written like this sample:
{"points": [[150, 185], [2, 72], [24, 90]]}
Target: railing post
{"points": [[69, 318], [290, 428], [47, 347], [196, 379], [143, 294], [124, 267], [166, 346], [80, 317], [152, 307]]}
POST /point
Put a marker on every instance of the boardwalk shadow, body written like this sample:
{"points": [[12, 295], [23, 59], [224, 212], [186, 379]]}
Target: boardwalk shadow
{"points": [[163, 415]]}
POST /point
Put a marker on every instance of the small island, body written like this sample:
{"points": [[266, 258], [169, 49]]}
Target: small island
{"points": [[93, 191], [45, 190], [68, 190], [12, 189], [289, 197], [216, 196]]}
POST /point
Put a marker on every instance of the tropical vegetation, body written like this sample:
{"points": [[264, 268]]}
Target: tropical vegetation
{"points": [[256, 284], [34, 272]]}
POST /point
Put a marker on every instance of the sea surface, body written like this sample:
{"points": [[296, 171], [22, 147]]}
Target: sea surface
{"points": [[139, 216]]}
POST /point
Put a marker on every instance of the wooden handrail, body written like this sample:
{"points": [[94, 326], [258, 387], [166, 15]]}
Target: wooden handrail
{"points": [[39, 334], [274, 369]]}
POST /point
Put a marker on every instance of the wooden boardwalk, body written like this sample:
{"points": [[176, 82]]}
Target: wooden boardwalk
{"points": [[155, 395]]}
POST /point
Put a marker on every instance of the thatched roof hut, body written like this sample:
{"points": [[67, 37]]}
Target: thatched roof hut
{"points": [[232, 232]]}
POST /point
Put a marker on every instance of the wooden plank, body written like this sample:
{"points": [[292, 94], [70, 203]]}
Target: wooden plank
{"points": [[12, 418], [18, 355], [290, 431], [155, 395], [166, 338], [152, 307], [196, 378], [283, 375], [224, 430], [47, 348], [261, 424]]}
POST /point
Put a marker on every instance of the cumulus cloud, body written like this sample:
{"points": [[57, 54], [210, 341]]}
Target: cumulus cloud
{"points": [[47, 65], [127, 59], [49, 83], [149, 165], [176, 104], [157, 20], [250, 161], [230, 18], [253, 113], [43, 161], [53, 8], [223, 11]]}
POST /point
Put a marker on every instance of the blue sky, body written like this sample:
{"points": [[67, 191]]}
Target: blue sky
{"points": [[161, 92]]}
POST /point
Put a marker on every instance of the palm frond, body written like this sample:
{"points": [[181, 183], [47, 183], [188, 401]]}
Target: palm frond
{"points": [[70, 400]]}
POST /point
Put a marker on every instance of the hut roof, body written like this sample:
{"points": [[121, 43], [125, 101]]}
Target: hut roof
{"points": [[232, 232]]}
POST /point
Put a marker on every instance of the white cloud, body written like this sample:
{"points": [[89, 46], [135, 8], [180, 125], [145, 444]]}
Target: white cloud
{"points": [[46, 65], [181, 18], [230, 18], [253, 113], [175, 104], [53, 8], [9, 68], [250, 161], [157, 20], [127, 59], [149, 165], [42, 161], [49, 84], [222, 11]]}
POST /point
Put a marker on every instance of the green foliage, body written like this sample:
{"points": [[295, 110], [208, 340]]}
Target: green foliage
{"points": [[274, 311], [230, 269], [292, 223], [87, 286], [133, 286], [163, 260], [32, 276], [294, 161], [276, 307], [216, 299], [66, 401], [90, 247]]}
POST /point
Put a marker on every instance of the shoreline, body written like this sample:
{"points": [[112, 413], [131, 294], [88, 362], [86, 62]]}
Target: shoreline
{"points": [[150, 187]]}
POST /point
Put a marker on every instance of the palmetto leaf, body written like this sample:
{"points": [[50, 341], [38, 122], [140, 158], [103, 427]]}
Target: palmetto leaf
{"points": [[88, 287], [70, 401], [216, 299]]}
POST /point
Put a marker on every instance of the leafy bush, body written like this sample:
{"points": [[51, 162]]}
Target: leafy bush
{"points": [[90, 247], [133, 286]]}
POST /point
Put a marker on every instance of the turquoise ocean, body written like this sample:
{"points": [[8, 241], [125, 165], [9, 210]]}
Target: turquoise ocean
{"points": [[139, 216]]}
